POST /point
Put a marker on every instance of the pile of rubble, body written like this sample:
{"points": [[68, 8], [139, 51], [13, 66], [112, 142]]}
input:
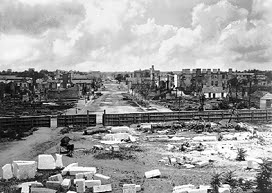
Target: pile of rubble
{"points": [[72, 178]]}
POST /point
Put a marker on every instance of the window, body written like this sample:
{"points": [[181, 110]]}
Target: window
{"points": [[212, 83], [216, 83]]}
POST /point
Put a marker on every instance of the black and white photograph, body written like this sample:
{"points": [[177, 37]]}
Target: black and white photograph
{"points": [[136, 96]]}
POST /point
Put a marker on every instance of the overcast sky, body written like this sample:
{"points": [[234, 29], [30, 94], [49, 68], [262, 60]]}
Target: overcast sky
{"points": [[126, 35]]}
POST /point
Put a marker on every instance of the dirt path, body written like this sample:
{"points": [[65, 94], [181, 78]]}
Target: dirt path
{"points": [[28, 148]]}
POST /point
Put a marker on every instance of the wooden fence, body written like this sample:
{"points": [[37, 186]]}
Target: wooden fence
{"points": [[86, 120], [214, 115], [25, 122]]}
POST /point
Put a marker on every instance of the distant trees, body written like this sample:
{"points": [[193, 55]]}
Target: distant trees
{"points": [[121, 77]]}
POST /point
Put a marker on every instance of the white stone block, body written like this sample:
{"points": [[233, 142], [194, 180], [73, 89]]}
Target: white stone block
{"points": [[66, 183], [80, 185], [75, 170], [24, 169], [57, 177], [59, 163], [71, 192], [202, 163], [79, 176], [25, 188], [153, 173], [198, 191], [42, 190], [92, 183], [7, 172], [138, 188], [129, 188], [66, 169], [46, 162], [120, 129], [101, 177], [224, 190], [102, 188], [190, 186]]}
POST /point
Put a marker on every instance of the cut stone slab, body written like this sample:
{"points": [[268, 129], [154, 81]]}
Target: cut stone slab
{"points": [[138, 188], [189, 166], [66, 169], [53, 185], [224, 190], [116, 137], [75, 170], [102, 188], [92, 183], [153, 173], [198, 191], [42, 190], [202, 163], [57, 177], [71, 192], [80, 185], [129, 188], [7, 172], [120, 129], [101, 177], [46, 162], [66, 183], [80, 176], [59, 163], [24, 169], [205, 138], [190, 186]]}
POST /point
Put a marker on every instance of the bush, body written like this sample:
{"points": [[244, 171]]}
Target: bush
{"points": [[241, 154], [263, 177], [216, 182], [230, 178]]}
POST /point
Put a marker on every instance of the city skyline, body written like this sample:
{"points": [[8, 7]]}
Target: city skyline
{"points": [[127, 35]]}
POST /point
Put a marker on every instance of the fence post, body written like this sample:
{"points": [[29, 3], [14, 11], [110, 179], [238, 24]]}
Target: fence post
{"points": [[266, 115], [222, 115], [88, 118], [252, 116], [119, 120], [103, 117], [148, 118], [163, 117]]}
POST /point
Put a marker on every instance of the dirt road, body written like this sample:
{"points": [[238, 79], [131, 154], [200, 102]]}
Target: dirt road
{"points": [[112, 102]]}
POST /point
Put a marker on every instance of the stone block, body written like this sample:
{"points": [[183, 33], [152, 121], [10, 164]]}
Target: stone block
{"points": [[66, 183], [92, 183], [59, 163], [129, 188], [101, 177], [7, 172], [80, 185], [153, 173], [189, 166], [190, 186], [198, 191], [75, 170], [224, 190], [53, 185], [202, 163], [66, 169], [102, 188], [80, 176], [24, 169], [25, 188], [120, 129], [42, 190], [88, 175], [46, 162], [71, 192], [115, 148], [225, 186], [138, 188], [57, 177]]}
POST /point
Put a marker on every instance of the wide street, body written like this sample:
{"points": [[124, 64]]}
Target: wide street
{"points": [[112, 102]]}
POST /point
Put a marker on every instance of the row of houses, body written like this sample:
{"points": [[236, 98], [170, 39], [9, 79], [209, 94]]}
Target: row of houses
{"points": [[213, 83], [63, 85]]}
